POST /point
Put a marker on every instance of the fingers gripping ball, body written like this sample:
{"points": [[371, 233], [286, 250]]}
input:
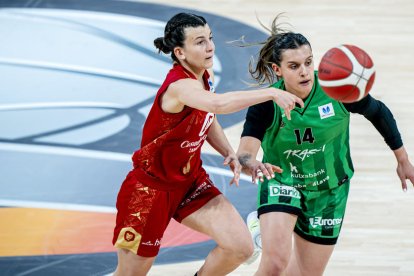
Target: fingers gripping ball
{"points": [[346, 73]]}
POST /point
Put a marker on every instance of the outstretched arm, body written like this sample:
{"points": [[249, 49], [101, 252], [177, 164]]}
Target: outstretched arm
{"points": [[383, 120], [218, 140], [381, 117], [190, 92]]}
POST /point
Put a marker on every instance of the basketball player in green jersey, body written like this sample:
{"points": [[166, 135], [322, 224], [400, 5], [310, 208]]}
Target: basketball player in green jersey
{"points": [[308, 199]]}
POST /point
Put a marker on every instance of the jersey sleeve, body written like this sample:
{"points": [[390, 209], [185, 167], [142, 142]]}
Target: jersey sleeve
{"points": [[259, 118], [381, 117]]}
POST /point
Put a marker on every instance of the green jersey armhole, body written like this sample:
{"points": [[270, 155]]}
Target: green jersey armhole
{"points": [[276, 117], [276, 109], [343, 108]]}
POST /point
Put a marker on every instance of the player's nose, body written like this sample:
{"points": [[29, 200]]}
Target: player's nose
{"points": [[303, 70]]}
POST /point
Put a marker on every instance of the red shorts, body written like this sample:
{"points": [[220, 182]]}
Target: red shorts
{"points": [[144, 212]]}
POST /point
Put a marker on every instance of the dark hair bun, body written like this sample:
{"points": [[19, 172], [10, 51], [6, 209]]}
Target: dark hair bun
{"points": [[159, 44]]}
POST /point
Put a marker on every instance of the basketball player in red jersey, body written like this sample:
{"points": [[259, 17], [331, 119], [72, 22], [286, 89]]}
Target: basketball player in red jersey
{"points": [[168, 179]]}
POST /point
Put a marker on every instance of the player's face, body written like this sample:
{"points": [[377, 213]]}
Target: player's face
{"points": [[297, 69], [198, 50]]}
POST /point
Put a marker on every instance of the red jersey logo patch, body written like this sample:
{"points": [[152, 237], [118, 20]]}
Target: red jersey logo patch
{"points": [[129, 236], [207, 123]]}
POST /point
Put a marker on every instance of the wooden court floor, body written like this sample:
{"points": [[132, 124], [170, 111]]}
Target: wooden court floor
{"points": [[377, 237]]}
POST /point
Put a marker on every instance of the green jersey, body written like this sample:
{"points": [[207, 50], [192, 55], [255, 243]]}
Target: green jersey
{"points": [[313, 147]]}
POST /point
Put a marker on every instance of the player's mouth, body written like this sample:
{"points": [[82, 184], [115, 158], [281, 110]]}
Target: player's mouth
{"points": [[305, 82]]}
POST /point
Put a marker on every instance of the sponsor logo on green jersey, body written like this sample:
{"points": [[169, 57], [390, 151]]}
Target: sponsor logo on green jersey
{"points": [[302, 154], [325, 223], [326, 111], [283, 191]]}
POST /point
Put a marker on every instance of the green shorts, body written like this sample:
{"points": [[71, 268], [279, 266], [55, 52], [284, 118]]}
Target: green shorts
{"points": [[320, 213]]}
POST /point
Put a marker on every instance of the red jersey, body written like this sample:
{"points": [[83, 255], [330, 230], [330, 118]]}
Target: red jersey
{"points": [[170, 154]]}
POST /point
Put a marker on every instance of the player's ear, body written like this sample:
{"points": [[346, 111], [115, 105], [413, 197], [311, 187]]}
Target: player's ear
{"points": [[276, 69], [179, 53]]}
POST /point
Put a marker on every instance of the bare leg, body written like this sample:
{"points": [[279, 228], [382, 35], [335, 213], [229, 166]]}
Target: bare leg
{"points": [[221, 221], [130, 264], [276, 229], [309, 258]]}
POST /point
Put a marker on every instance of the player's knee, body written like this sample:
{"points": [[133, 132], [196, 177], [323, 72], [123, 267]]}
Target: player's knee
{"points": [[132, 270], [274, 263], [242, 255], [243, 250], [130, 264], [129, 271], [238, 249], [274, 268], [247, 251]]}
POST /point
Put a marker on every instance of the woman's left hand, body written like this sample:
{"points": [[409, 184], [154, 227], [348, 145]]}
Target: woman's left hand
{"points": [[405, 170], [235, 166]]}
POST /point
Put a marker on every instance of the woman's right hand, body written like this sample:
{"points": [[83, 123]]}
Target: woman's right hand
{"points": [[247, 152], [258, 170], [287, 101]]}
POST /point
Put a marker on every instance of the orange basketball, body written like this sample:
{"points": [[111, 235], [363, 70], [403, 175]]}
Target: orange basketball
{"points": [[346, 73]]}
